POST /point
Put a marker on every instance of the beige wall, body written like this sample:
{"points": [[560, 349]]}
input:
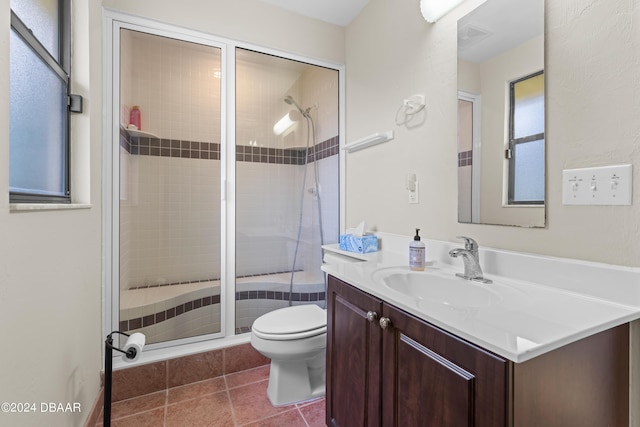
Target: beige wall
{"points": [[50, 264], [592, 52]]}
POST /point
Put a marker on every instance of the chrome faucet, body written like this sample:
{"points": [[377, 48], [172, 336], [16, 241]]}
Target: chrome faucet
{"points": [[472, 269]]}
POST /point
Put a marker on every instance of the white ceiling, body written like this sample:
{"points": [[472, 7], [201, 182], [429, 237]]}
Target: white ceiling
{"points": [[506, 24], [339, 12]]}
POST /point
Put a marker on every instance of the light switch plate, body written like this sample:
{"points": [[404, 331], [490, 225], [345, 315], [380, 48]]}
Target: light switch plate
{"points": [[606, 185]]}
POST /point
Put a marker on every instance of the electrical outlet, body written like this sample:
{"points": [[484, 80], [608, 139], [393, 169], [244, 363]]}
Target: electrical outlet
{"points": [[413, 195]]}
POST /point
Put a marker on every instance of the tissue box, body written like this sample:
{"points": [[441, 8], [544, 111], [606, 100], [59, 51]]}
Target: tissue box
{"points": [[360, 244]]}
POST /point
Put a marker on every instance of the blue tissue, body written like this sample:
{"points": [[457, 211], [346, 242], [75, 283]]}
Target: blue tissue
{"points": [[359, 244]]}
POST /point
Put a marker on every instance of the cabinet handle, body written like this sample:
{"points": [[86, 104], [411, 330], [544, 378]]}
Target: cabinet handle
{"points": [[385, 322], [371, 316]]}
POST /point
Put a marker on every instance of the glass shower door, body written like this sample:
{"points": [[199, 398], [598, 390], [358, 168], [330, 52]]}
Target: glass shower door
{"points": [[286, 182], [170, 220]]}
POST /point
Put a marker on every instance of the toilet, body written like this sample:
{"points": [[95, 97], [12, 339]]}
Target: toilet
{"points": [[295, 339]]}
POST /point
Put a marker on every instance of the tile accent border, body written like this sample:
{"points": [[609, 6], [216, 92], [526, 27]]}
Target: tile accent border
{"points": [[289, 156], [280, 296], [148, 146], [465, 158], [161, 316]]}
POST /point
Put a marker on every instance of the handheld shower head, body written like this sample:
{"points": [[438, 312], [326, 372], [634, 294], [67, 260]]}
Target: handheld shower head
{"points": [[289, 100]]}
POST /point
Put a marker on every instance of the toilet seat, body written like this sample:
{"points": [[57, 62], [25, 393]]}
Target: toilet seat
{"points": [[291, 323]]}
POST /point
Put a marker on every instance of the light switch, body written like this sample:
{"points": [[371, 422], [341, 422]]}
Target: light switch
{"points": [[412, 186], [607, 185]]}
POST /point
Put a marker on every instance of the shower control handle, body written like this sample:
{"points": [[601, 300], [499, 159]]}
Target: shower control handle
{"points": [[385, 322], [371, 316]]}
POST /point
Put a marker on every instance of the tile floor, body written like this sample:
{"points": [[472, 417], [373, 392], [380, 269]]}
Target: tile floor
{"points": [[238, 399]]}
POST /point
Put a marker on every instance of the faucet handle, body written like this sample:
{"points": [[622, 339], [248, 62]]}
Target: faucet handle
{"points": [[469, 243]]}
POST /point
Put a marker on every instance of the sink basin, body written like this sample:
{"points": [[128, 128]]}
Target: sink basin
{"points": [[437, 287]]}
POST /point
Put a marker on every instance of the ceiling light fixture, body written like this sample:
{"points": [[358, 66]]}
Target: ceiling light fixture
{"points": [[432, 10], [286, 122]]}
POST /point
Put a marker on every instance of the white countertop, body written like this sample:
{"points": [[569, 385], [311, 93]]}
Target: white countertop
{"points": [[561, 301]]}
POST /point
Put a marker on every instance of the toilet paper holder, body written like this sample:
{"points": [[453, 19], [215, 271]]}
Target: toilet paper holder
{"points": [[130, 354]]}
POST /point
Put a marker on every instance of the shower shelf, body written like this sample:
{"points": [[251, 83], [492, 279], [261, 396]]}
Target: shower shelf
{"points": [[142, 133]]}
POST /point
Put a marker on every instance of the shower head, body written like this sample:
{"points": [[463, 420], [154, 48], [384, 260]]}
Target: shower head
{"points": [[289, 100]]}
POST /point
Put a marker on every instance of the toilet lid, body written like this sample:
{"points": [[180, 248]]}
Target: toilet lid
{"points": [[294, 322]]}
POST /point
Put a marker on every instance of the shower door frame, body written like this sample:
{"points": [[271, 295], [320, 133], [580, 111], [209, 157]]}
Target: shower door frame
{"points": [[112, 23], [112, 166]]}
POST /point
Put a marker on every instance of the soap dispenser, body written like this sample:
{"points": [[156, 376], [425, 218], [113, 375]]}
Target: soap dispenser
{"points": [[417, 252]]}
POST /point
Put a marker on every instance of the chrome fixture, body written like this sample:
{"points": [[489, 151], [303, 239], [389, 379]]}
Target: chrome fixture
{"points": [[288, 120], [289, 100], [472, 269], [312, 140]]}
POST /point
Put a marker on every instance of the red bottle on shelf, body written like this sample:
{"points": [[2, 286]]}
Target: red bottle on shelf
{"points": [[134, 117]]}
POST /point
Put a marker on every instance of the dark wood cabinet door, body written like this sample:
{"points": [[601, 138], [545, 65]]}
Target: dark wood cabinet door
{"points": [[432, 378], [353, 357]]}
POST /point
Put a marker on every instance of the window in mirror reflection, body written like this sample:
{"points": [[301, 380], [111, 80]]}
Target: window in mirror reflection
{"points": [[526, 140]]}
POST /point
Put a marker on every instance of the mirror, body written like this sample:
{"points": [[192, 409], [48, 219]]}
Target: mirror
{"points": [[501, 139]]}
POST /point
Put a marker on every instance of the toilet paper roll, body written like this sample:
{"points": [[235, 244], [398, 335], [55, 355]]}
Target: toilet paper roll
{"points": [[135, 341]]}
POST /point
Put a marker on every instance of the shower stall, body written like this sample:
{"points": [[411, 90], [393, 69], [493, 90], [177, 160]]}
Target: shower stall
{"points": [[258, 138]]}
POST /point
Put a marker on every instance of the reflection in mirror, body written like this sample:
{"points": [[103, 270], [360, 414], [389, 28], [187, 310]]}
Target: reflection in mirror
{"points": [[526, 140], [501, 139]]}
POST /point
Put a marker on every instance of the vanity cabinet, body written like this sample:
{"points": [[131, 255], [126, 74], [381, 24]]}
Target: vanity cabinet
{"points": [[386, 367], [408, 373]]}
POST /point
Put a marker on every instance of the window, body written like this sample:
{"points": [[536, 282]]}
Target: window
{"points": [[526, 141], [40, 59]]}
